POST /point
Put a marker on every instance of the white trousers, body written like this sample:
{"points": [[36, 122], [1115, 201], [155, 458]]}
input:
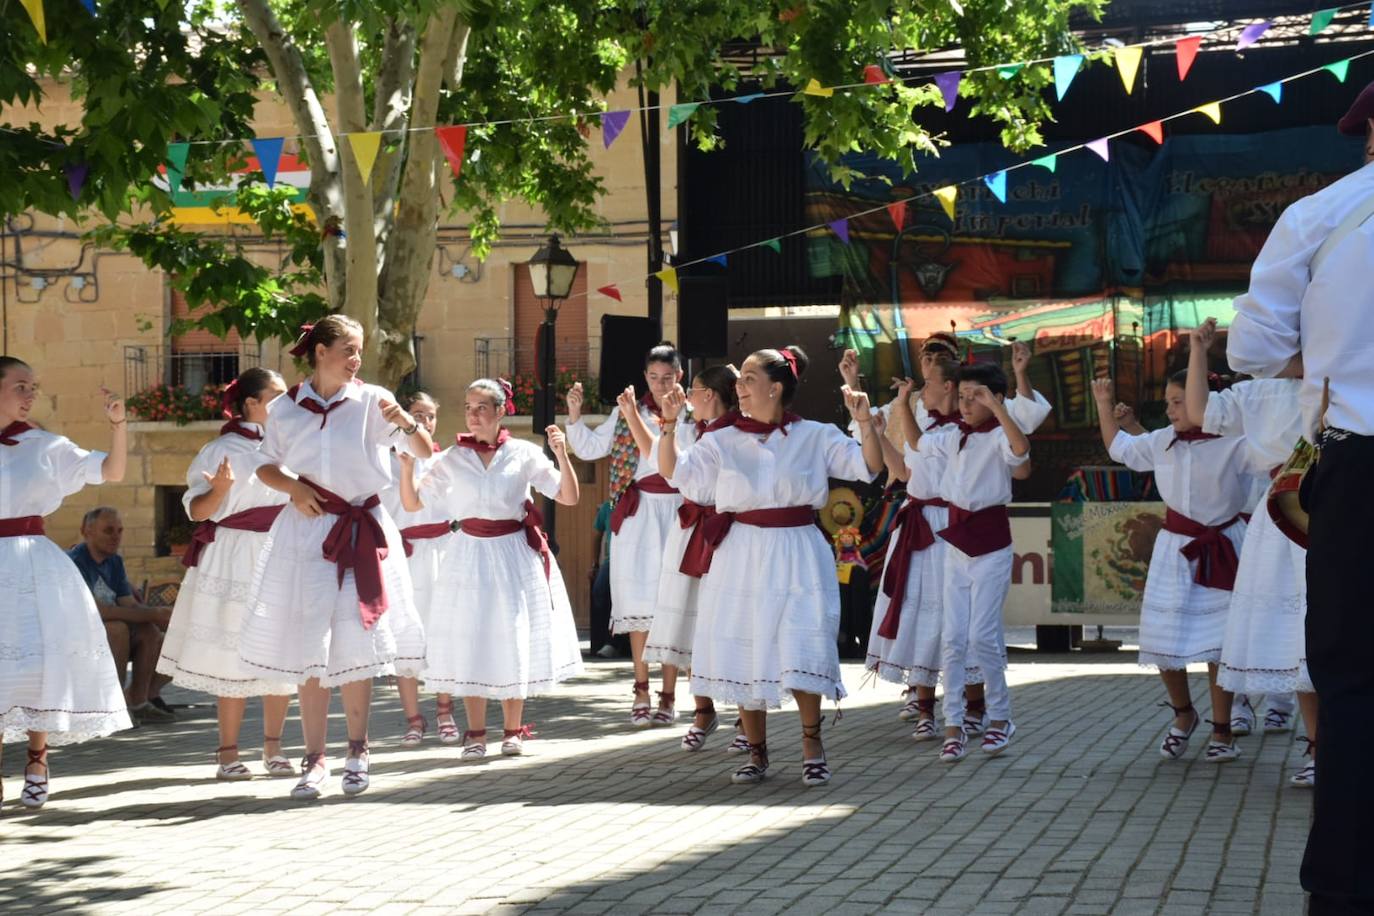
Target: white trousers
{"points": [[975, 590]]}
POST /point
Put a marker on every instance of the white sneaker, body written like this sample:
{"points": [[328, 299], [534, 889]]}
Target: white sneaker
{"points": [[995, 740], [925, 730], [1221, 753]]}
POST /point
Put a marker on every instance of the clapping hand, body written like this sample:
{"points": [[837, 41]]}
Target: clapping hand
{"points": [[673, 404], [857, 403], [1104, 393], [849, 368]]}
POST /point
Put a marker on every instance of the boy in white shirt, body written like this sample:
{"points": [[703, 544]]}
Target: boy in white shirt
{"points": [[981, 459]]}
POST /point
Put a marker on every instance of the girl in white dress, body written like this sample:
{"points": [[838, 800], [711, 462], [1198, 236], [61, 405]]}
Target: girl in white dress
{"points": [[904, 645], [643, 516], [235, 511], [713, 402], [1203, 480], [506, 629], [1263, 650], [769, 608], [426, 535], [57, 682], [331, 602]]}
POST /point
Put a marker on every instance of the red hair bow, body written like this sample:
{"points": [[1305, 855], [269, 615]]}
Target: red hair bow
{"points": [[300, 349]]}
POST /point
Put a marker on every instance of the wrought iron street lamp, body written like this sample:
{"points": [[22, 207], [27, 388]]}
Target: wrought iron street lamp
{"points": [[552, 271]]}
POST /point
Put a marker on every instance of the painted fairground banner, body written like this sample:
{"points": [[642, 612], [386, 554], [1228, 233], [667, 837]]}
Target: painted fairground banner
{"points": [[1130, 251]]}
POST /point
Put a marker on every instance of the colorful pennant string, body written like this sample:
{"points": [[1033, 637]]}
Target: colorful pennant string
{"points": [[668, 277], [681, 112], [76, 177], [774, 244], [365, 147], [1251, 34], [997, 184], [176, 164], [1273, 90], [840, 228], [1154, 130], [268, 151], [897, 211], [948, 84], [610, 290], [35, 11], [1046, 162], [717, 259], [1128, 64], [1211, 110], [815, 88], [612, 123], [1321, 20], [453, 141], [874, 75], [946, 196], [1185, 51], [1065, 69], [1101, 147], [1339, 69]]}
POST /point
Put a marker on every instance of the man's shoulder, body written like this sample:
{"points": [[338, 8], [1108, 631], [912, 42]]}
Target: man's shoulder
{"points": [[80, 554]]}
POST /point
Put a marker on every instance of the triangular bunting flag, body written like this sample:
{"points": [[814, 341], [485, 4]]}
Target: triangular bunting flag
{"points": [[874, 74], [946, 196], [997, 184], [1101, 147], [1065, 69], [948, 84], [775, 244], [668, 277], [1009, 70], [746, 99], [1251, 34], [610, 290], [1211, 110], [815, 88], [1273, 90], [1154, 130], [89, 5], [1339, 69], [840, 228], [612, 123], [365, 146], [1185, 50], [1321, 19], [76, 173], [1046, 162], [897, 210], [453, 141], [717, 259], [679, 113], [35, 8], [268, 151], [176, 164], [1128, 64]]}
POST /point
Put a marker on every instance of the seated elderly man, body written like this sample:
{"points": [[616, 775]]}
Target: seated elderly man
{"points": [[134, 630]]}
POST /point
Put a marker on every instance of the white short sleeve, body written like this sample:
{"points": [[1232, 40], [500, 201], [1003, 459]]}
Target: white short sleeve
{"points": [[543, 474], [1136, 452], [844, 457], [75, 467], [698, 467]]}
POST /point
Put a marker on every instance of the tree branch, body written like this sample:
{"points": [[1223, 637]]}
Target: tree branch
{"points": [[390, 114], [325, 194], [410, 248]]}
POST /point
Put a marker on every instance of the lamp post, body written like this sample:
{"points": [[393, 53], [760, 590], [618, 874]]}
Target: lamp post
{"points": [[552, 271]]}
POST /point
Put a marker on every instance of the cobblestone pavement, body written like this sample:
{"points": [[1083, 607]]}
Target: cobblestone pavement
{"points": [[1081, 815]]}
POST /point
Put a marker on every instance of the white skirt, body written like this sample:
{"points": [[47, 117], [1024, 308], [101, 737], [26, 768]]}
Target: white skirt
{"points": [[1181, 622], [675, 616], [56, 671], [303, 624], [1264, 649], [201, 648], [426, 562], [913, 656], [768, 615], [637, 557], [498, 628]]}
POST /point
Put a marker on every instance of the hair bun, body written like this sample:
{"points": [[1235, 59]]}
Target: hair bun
{"points": [[802, 360]]}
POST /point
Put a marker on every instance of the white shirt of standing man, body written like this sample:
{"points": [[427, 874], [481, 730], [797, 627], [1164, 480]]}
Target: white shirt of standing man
{"points": [[1290, 323]]}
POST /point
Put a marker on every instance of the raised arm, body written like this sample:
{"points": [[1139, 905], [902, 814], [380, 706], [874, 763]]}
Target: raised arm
{"points": [[588, 444], [857, 402], [204, 505], [1195, 392], [672, 405], [892, 456], [1020, 366], [116, 459], [1104, 394], [1020, 445], [410, 496], [1126, 419], [901, 412], [569, 490], [629, 411]]}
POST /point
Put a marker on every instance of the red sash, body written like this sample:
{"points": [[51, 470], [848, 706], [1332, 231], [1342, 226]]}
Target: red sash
{"points": [[715, 528], [533, 526], [1215, 554], [24, 526], [356, 542], [913, 536], [258, 519], [423, 533], [978, 533], [628, 504], [696, 559]]}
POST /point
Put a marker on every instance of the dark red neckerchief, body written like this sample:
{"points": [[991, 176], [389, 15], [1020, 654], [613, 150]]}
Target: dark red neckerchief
{"points": [[1192, 435], [257, 519], [468, 440], [532, 525], [758, 427], [652, 405], [315, 406], [1217, 560], [721, 422], [357, 542], [236, 427], [914, 534], [940, 419], [14, 429], [965, 430]]}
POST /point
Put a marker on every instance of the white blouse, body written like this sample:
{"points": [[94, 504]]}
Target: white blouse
{"points": [[247, 492], [42, 469], [351, 456], [1265, 411], [748, 471], [459, 487], [927, 466], [1208, 481], [1026, 413], [591, 444], [977, 476]]}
